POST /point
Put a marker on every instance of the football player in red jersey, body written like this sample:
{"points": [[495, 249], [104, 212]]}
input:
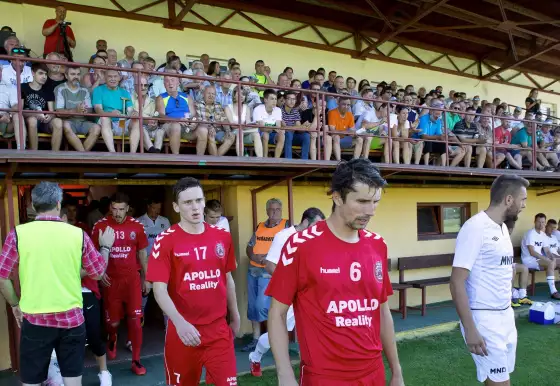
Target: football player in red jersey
{"points": [[122, 281], [190, 267], [335, 274]]}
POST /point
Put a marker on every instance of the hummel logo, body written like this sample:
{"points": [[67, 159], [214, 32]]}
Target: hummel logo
{"points": [[495, 238]]}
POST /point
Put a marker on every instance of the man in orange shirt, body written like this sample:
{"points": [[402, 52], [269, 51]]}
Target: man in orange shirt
{"points": [[341, 120]]}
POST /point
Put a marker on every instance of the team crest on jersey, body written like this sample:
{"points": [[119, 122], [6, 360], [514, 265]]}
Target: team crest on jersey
{"points": [[379, 271], [220, 251], [133, 235]]}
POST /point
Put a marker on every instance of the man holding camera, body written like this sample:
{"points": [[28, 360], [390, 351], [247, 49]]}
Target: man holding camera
{"points": [[54, 36]]}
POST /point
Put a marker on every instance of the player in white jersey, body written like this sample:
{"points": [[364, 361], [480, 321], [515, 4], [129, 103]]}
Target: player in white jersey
{"points": [[153, 223], [481, 282], [536, 254], [213, 215], [309, 218]]}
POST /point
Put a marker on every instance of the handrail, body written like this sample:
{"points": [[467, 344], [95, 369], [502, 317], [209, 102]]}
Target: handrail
{"points": [[322, 130]]}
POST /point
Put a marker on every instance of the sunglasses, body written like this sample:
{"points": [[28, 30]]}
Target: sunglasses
{"points": [[19, 51], [144, 85]]}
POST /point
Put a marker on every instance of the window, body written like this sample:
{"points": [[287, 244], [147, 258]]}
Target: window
{"points": [[441, 221]]}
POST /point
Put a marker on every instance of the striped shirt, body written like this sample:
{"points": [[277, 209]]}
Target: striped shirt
{"points": [[292, 117]]}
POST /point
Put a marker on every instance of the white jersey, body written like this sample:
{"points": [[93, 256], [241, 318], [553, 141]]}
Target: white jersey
{"points": [[552, 244], [223, 223], [278, 242], [153, 228], [9, 76], [536, 240], [484, 248], [556, 233]]}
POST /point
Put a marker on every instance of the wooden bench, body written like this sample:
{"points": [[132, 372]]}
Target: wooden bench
{"points": [[423, 262], [402, 293]]}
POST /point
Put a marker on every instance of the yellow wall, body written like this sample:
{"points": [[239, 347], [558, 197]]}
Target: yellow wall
{"points": [[27, 21]]}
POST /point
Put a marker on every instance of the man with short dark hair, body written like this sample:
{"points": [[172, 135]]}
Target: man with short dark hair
{"points": [[335, 274], [35, 98], [341, 121], [291, 118], [190, 267], [430, 127], [330, 82], [261, 76], [70, 97], [50, 256], [213, 212], [311, 78], [53, 31], [536, 254], [469, 133], [267, 116], [481, 281], [123, 283], [126, 62]]}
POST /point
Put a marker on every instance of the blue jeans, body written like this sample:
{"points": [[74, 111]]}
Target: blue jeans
{"points": [[258, 302], [299, 139]]}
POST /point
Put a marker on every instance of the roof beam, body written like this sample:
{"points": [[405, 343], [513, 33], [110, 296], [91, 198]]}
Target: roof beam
{"points": [[402, 27], [116, 4], [510, 35], [517, 8], [380, 14], [186, 9], [517, 63], [146, 6]]}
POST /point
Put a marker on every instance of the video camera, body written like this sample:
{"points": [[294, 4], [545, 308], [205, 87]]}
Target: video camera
{"points": [[65, 23]]}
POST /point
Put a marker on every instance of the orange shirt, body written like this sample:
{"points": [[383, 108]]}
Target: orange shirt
{"points": [[339, 122]]}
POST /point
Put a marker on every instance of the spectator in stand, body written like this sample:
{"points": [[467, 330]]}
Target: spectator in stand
{"points": [[173, 63], [283, 81], [452, 118], [470, 133], [142, 56], [38, 99], [319, 78], [269, 118], [289, 71], [10, 43], [351, 87], [364, 83], [451, 98], [112, 58], [192, 83], [178, 105], [330, 82], [338, 88], [235, 73], [9, 77], [205, 59], [70, 97], [291, 118], [9, 124], [95, 77], [100, 45], [151, 130], [362, 106], [524, 138], [280, 98], [421, 95], [322, 71], [400, 94], [413, 116], [250, 134], [223, 90], [341, 121], [394, 87], [101, 53], [55, 76], [311, 78], [53, 36], [167, 56], [533, 103], [214, 69], [113, 100], [374, 121], [211, 111], [129, 53], [295, 83], [400, 127], [547, 144], [408, 89], [129, 79], [261, 77], [502, 136], [316, 123], [516, 122], [431, 130]]}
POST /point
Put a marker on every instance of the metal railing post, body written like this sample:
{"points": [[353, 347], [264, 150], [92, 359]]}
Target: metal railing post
{"points": [[140, 109], [446, 137], [239, 106], [22, 139], [389, 135], [494, 166]]}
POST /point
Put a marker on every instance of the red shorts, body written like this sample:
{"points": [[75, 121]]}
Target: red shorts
{"points": [[123, 295], [375, 378], [183, 364]]}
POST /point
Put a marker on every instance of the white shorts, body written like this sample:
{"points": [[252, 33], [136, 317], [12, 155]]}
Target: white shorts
{"points": [[291, 319], [499, 332], [531, 263]]}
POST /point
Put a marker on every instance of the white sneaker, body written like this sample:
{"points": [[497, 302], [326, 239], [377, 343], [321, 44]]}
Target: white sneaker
{"points": [[129, 346], [105, 378]]}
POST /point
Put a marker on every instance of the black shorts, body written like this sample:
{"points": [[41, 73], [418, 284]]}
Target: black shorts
{"points": [[37, 344], [434, 147], [94, 333]]}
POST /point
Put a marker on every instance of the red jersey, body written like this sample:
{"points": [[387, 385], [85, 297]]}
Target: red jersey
{"points": [[129, 239], [337, 289], [194, 268], [54, 42], [502, 135]]}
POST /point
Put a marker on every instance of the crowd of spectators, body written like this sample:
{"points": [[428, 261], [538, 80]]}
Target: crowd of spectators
{"points": [[402, 125]]}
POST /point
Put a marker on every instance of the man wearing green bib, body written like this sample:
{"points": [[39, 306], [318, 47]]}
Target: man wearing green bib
{"points": [[51, 255]]}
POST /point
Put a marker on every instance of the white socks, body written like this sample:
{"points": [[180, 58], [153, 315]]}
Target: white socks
{"points": [[522, 293], [263, 345], [551, 285], [514, 293]]}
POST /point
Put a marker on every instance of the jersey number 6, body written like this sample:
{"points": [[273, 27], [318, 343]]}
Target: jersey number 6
{"points": [[355, 273]]}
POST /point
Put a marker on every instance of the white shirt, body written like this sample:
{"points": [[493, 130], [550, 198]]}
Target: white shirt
{"points": [[534, 238], [394, 121], [223, 223], [8, 97], [260, 114], [484, 248], [153, 228], [556, 234], [9, 75], [278, 242], [552, 244]]}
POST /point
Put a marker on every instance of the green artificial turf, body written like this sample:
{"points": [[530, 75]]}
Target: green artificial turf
{"points": [[443, 360]]}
